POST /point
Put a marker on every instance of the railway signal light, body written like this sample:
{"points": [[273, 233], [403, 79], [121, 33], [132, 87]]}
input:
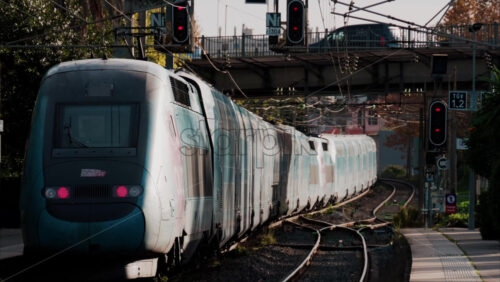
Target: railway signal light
{"points": [[438, 114], [180, 24], [295, 22]]}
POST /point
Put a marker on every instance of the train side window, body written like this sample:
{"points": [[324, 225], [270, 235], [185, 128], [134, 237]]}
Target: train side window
{"points": [[311, 145], [325, 146], [181, 91]]}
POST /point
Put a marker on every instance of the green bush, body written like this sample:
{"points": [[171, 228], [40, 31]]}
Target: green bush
{"points": [[458, 220], [463, 207], [394, 171], [488, 214], [407, 217]]}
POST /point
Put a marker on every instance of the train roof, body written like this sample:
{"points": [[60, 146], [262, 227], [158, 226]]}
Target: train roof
{"points": [[107, 64]]}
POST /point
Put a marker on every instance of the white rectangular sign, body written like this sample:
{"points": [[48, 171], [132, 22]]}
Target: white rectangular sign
{"points": [[273, 31], [457, 100], [461, 144]]}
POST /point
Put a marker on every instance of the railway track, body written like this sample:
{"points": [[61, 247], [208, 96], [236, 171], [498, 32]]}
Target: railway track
{"points": [[341, 253], [313, 247], [404, 194]]}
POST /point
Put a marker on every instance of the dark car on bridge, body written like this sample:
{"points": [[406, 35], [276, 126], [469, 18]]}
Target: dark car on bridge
{"points": [[363, 36]]}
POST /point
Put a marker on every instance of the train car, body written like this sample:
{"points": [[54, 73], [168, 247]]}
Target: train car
{"points": [[128, 158]]}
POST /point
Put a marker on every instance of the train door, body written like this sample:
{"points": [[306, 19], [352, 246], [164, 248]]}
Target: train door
{"points": [[285, 161], [224, 166], [242, 196], [257, 167]]}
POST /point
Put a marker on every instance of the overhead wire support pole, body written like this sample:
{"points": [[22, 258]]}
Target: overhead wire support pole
{"points": [[447, 7]]}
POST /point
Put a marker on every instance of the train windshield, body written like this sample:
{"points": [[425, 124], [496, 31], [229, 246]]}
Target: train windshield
{"points": [[96, 126]]}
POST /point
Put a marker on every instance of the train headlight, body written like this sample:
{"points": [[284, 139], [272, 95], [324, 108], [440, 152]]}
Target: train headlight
{"points": [[135, 191], [50, 193]]}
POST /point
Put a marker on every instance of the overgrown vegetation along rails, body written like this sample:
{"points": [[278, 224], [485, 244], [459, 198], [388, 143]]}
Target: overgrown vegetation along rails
{"points": [[394, 171], [407, 217], [483, 156]]}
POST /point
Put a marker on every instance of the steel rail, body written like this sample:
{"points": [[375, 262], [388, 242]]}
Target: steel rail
{"points": [[331, 226], [404, 183], [365, 249], [307, 260]]}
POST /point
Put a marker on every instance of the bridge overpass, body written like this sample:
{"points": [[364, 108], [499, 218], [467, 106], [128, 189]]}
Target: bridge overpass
{"points": [[361, 67]]}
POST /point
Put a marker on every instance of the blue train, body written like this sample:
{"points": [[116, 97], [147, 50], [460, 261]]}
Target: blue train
{"points": [[128, 158]]}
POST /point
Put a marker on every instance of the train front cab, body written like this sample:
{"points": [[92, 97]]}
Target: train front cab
{"points": [[86, 180]]}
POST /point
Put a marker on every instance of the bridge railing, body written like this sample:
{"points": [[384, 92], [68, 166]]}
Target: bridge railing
{"points": [[258, 45]]}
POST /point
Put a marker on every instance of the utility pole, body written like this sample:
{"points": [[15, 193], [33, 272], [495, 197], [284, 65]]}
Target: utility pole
{"points": [[472, 183], [452, 149], [1, 120], [307, 23], [421, 161]]}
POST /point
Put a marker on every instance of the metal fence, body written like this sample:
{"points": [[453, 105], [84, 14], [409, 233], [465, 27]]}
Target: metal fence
{"points": [[317, 42]]}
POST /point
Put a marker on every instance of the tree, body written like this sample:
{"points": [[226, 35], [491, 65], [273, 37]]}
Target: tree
{"points": [[466, 12], [43, 32], [483, 157], [484, 150]]}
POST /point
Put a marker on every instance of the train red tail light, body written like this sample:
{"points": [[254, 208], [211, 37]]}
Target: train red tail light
{"points": [[62, 193], [121, 191], [127, 191], [54, 193]]}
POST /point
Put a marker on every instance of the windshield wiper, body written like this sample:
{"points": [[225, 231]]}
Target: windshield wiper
{"points": [[73, 140]]}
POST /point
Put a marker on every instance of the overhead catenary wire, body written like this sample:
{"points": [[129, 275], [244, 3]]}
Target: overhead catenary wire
{"points": [[357, 71], [67, 10], [191, 20], [118, 10], [54, 31], [331, 56], [447, 7]]}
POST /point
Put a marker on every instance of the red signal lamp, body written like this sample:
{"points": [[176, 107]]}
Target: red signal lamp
{"points": [[180, 8], [180, 27], [438, 109], [437, 130], [295, 9]]}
